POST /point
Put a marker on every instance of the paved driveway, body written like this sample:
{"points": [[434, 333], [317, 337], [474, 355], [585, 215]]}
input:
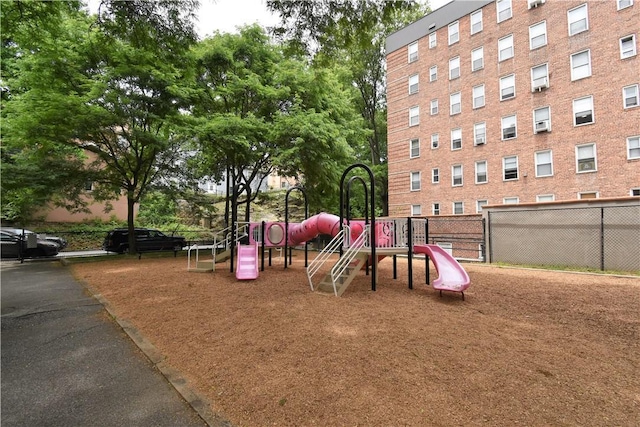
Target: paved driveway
{"points": [[66, 363]]}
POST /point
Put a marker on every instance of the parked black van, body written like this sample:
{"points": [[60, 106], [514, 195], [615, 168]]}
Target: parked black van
{"points": [[147, 239]]}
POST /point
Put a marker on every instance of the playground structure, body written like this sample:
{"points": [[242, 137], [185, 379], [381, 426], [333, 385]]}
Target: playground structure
{"points": [[361, 244]]}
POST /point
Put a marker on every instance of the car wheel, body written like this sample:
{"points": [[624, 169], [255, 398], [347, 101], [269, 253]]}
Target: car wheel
{"points": [[36, 253], [124, 249]]}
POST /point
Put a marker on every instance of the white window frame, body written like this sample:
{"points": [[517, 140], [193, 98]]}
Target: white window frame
{"points": [[514, 200], [515, 126], [433, 107], [581, 169], [433, 73], [477, 54], [578, 70], [435, 176], [477, 94], [455, 99], [539, 117], [545, 198], [456, 135], [454, 32], [630, 51], [414, 116], [543, 163], [435, 140], [504, 168], [435, 208], [587, 101], [501, 7], [479, 138], [413, 181], [414, 146], [536, 31], [455, 176], [507, 82], [475, 20], [634, 96], [505, 44], [412, 52], [485, 172], [578, 16], [479, 205], [633, 147], [623, 4], [414, 84], [416, 210], [454, 68], [539, 80], [455, 206], [433, 40]]}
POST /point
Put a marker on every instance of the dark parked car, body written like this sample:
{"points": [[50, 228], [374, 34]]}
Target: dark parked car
{"points": [[62, 243], [16, 245], [147, 239]]}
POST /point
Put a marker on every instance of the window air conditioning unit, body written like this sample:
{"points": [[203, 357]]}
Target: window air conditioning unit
{"points": [[542, 126], [480, 140], [540, 84], [535, 3], [586, 166]]}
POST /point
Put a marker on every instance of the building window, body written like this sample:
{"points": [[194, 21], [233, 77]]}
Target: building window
{"points": [[455, 102], [435, 208], [414, 116], [456, 175], [538, 35], [580, 65], [588, 195], [583, 111], [507, 87], [545, 198], [458, 208], [454, 68], [623, 4], [415, 181], [510, 168], [509, 127], [479, 133], [88, 185], [578, 19], [481, 172], [480, 204], [476, 22], [414, 148], [456, 139], [435, 140], [413, 52], [586, 158], [504, 10], [478, 96], [505, 48], [477, 59], [433, 41], [628, 46], [633, 147], [434, 107], [630, 96], [435, 175], [635, 192], [454, 32], [433, 73], [510, 200], [416, 210], [539, 77], [413, 84], [542, 120], [544, 164]]}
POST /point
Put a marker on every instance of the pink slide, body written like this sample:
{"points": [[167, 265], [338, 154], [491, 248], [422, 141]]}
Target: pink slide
{"points": [[451, 275], [247, 267]]}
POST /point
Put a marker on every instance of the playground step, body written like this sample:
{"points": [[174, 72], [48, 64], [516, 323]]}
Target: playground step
{"points": [[203, 267]]}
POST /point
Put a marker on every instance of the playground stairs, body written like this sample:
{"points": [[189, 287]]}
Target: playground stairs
{"points": [[345, 278], [223, 256], [202, 267]]}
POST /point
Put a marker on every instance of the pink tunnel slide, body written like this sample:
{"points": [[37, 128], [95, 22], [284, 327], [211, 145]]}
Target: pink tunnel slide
{"points": [[451, 275]]}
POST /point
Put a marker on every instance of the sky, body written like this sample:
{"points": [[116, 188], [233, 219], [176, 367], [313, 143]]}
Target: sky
{"points": [[226, 15]]}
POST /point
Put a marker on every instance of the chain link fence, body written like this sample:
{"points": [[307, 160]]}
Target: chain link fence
{"points": [[605, 238], [462, 235]]}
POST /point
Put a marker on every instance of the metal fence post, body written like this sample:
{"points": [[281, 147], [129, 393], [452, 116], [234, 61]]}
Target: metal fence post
{"points": [[602, 238], [489, 233]]}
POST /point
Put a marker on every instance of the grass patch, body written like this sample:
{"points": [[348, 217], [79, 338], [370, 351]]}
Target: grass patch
{"points": [[571, 268]]}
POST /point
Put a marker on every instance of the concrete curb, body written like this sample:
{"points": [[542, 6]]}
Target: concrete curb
{"points": [[177, 381]]}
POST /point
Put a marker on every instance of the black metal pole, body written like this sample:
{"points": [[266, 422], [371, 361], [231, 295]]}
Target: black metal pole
{"points": [[602, 238], [395, 266], [262, 231], [286, 223], [234, 225], [426, 267], [410, 251], [269, 257]]}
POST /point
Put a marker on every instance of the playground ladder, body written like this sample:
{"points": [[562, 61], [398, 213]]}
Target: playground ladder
{"points": [[334, 245], [344, 271]]}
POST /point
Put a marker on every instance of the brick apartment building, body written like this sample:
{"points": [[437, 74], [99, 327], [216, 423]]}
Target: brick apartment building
{"points": [[513, 101]]}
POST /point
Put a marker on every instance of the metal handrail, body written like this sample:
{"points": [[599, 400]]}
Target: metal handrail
{"points": [[347, 257], [334, 245]]}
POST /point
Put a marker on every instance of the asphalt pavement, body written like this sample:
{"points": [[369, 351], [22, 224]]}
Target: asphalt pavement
{"points": [[66, 362]]}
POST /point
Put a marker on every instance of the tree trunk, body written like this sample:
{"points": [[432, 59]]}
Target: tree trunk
{"points": [[131, 203]]}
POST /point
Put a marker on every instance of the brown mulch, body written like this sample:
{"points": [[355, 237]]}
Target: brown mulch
{"points": [[526, 347]]}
